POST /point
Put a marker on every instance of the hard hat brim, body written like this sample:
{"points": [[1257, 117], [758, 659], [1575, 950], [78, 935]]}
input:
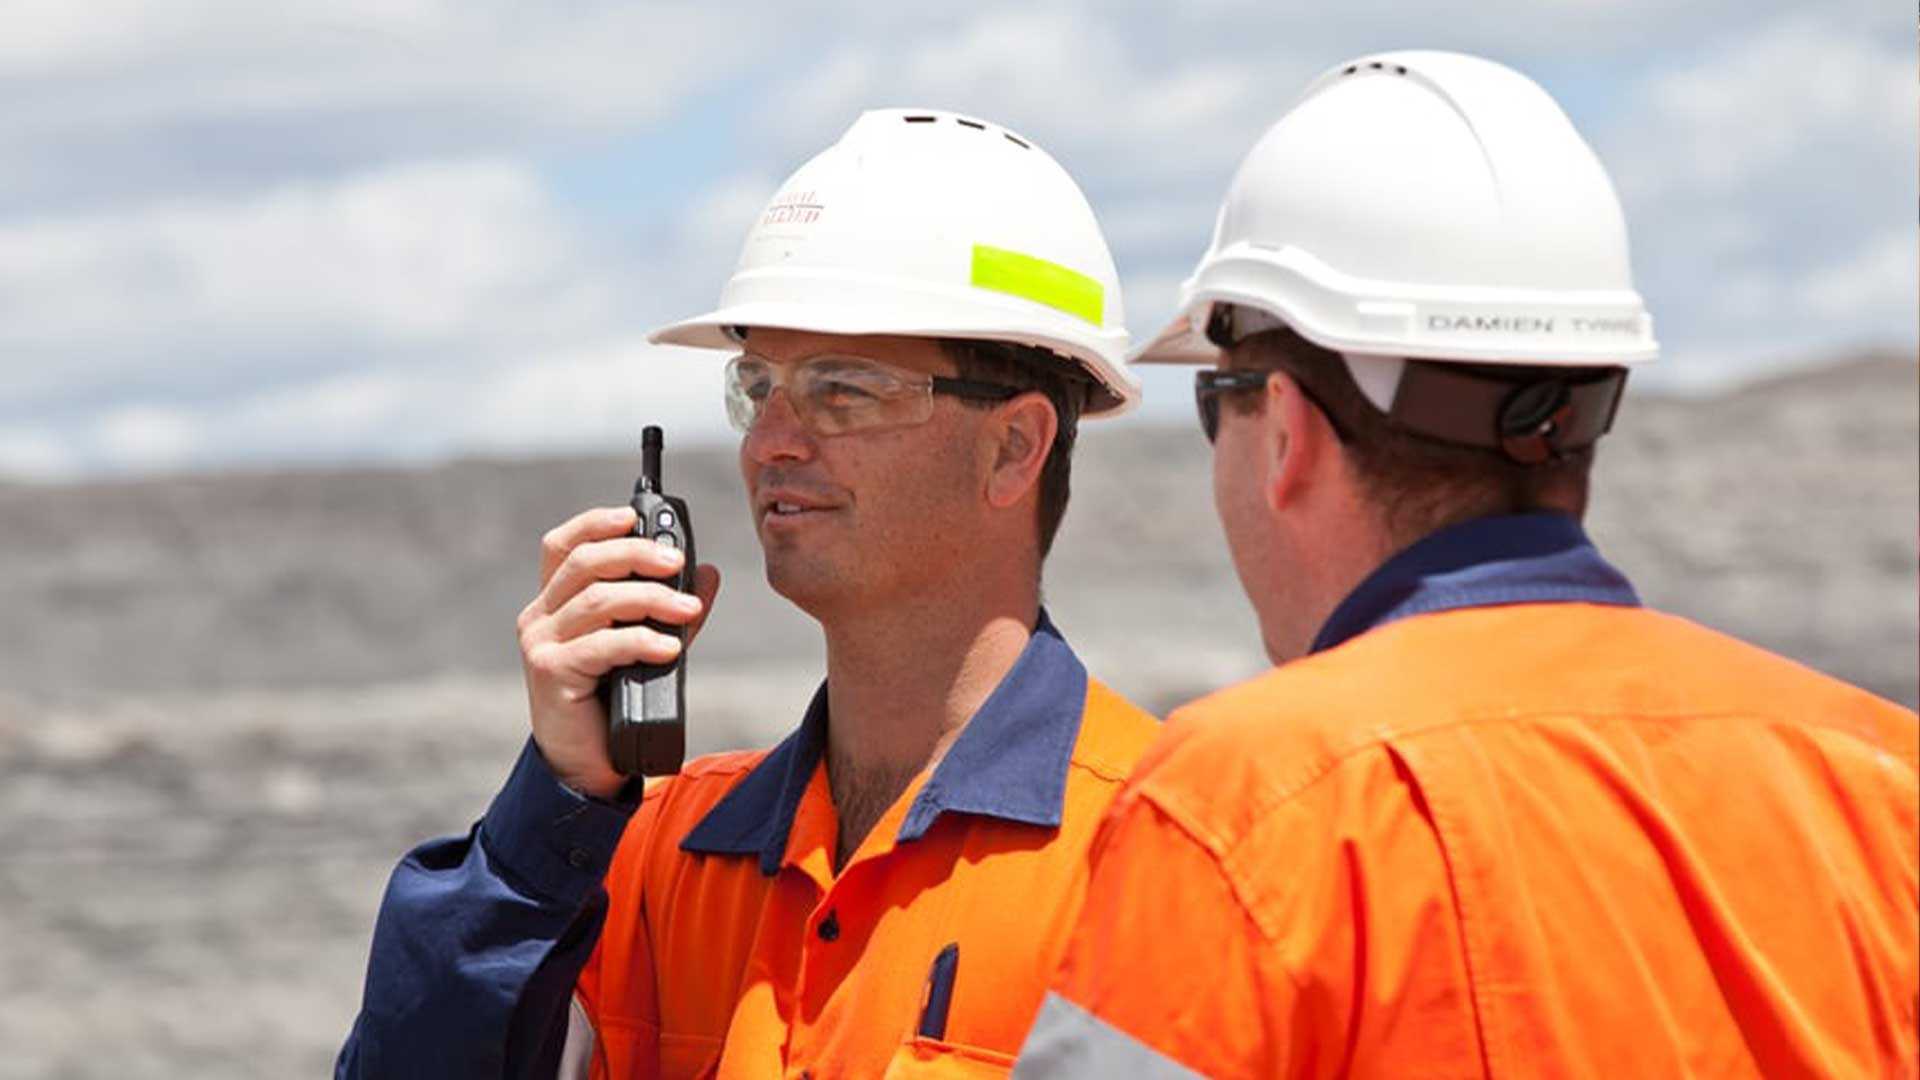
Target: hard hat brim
{"points": [[1386, 318], [1179, 342]]}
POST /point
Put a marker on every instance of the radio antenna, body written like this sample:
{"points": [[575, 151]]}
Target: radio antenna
{"points": [[650, 440]]}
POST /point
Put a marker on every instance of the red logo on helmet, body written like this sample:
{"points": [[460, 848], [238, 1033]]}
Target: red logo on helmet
{"points": [[793, 208]]}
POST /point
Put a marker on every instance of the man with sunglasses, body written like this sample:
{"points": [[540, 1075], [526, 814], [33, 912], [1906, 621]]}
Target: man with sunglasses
{"points": [[1488, 816], [919, 319]]}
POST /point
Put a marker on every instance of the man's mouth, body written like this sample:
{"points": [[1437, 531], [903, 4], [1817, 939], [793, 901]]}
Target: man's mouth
{"points": [[792, 507]]}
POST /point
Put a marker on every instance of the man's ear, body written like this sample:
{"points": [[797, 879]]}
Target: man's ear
{"points": [[1019, 440], [1297, 440]]}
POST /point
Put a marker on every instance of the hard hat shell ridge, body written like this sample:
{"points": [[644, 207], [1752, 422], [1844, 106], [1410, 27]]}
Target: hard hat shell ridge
{"points": [[931, 224], [1423, 205]]}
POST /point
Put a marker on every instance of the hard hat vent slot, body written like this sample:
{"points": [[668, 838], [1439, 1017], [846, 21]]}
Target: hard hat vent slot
{"points": [[920, 119], [1018, 141], [974, 124], [1377, 65]]}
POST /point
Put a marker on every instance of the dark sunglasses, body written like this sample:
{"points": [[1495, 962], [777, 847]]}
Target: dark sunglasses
{"points": [[1210, 383]]}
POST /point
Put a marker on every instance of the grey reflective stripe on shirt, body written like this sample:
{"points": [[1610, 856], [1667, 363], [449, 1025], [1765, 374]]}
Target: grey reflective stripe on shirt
{"points": [[576, 1057], [1068, 1041]]}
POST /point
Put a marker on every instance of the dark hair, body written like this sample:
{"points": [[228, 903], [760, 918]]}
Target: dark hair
{"points": [[1418, 483], [1031, 368]]}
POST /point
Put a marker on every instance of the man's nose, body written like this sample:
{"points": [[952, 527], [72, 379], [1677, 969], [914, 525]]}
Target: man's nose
{"points": [[777, 433]]}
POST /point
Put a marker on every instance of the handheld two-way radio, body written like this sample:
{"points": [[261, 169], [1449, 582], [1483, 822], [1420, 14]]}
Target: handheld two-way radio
{"points": [[647, 703]]}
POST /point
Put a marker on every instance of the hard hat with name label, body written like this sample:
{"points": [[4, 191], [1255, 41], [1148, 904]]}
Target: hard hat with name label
{"points": [[1436, 220], [931, 224], [1423, 205]]}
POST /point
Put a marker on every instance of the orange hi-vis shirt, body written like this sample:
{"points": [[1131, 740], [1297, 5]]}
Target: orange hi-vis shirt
{"points": [[1536, 839], [731, 948]]}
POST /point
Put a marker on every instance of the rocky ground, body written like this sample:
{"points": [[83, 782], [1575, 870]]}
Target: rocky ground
{"points": [[228, 703]]}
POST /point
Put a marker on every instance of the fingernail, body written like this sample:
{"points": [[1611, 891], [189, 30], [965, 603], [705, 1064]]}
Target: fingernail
{"points": [[686, 603]]}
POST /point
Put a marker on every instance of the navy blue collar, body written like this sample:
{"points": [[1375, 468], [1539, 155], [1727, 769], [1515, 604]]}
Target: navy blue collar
{"points": [[1512, 559], [1009, 762]]}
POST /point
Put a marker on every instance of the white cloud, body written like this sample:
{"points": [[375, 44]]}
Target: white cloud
{"points": [[135, 99], [409, 254], [598, 397], [147, 437], [344, 415], [596, 63], [433, 255], [409, 312], [46, 35], [1562, 32], [1168, 232], [1194, 95], [1870, 286], [569, 400], [1766, 98], [1771, 189], [1068, 76], [719, 218], [38, 453]]}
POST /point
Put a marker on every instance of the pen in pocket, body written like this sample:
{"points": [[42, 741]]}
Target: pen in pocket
{"points": [[933, 1014]]}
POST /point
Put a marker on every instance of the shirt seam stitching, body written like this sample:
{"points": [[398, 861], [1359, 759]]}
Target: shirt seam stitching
{"points": [[1379, 737], [1222, 848]]}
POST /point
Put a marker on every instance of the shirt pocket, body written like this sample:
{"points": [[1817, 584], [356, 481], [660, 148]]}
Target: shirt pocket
{"points": [[688, 1057], [921, 1058]]}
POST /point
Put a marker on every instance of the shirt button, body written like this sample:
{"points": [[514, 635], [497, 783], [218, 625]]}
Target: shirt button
{"points": [[579, 858], [829, 928]]}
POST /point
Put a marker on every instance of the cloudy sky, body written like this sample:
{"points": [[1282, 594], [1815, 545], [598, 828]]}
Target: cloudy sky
{"points": [[236, 234]]}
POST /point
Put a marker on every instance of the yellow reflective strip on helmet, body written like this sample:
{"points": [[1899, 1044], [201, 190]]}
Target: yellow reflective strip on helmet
{"points": [[1038, 280]]}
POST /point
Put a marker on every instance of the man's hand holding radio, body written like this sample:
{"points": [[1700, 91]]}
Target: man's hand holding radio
{"points": [[569, 640]]}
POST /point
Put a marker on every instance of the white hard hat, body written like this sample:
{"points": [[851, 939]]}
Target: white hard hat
{"points": [[1428, 206], [931, 224]]}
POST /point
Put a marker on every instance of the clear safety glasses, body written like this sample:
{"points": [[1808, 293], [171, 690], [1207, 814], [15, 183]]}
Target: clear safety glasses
{"points": [[834, 395]]}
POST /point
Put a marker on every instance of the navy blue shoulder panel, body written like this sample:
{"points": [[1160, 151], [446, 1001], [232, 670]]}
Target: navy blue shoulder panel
{"points": [[1010, 762], [1510, 559]]}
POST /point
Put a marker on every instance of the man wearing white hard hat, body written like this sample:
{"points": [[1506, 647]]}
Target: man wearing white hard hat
{"points": [[1488, 815], [918, 320]]}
